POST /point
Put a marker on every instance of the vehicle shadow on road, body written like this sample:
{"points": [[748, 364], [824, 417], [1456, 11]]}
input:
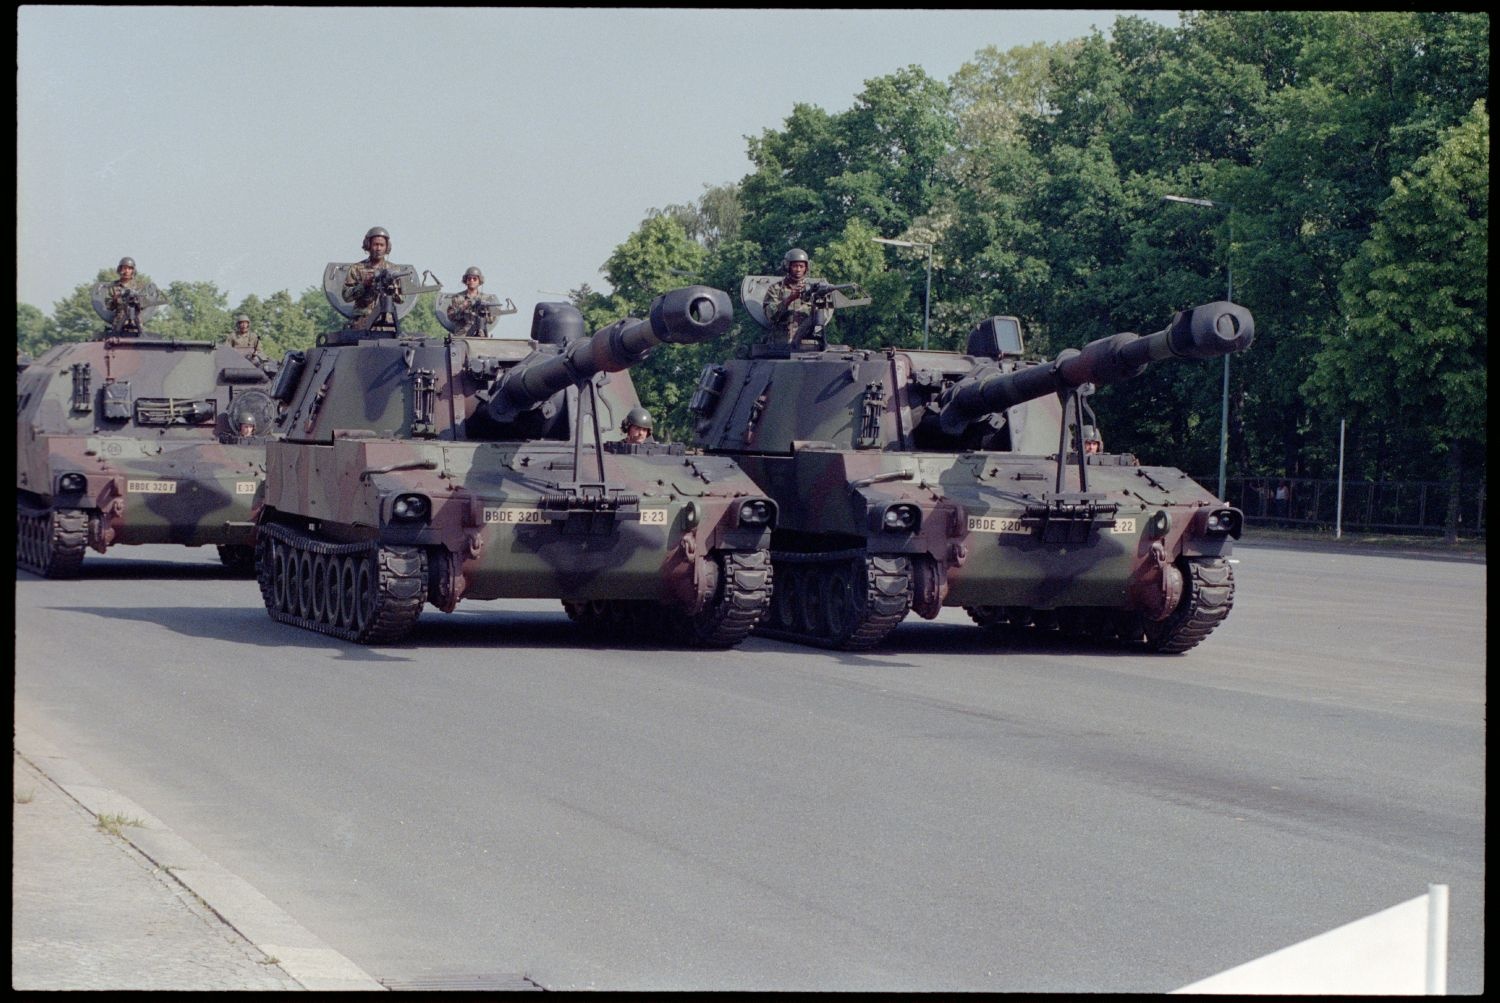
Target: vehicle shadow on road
{"points": [[917, 638], [106, 569], [490, 630]]}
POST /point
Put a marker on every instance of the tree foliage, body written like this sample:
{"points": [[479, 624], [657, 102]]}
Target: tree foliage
{"points": [[1410, 361]]}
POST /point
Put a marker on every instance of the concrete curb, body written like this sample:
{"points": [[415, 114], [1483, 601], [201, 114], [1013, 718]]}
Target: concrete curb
{"points": [[296, 950]]}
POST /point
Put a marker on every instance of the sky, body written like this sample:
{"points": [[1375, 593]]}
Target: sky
{"points": [[250, 146]]}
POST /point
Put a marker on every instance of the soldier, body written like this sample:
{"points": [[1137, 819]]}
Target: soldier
{"points": [[466, 309], [243, 338], [787, 306], [359, 285], [1092, 443], [637, 426], [125, 283]]}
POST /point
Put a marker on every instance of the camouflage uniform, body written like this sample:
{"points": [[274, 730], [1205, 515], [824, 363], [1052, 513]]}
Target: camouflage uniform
{"points": [[126, 321], [359, 287], [466, 312], [114, 299], [793, 320], [247, 342]]}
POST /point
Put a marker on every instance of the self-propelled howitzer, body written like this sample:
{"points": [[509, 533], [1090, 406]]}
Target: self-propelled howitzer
{"points": [[911, 480], [133, 438], [415, 469]]}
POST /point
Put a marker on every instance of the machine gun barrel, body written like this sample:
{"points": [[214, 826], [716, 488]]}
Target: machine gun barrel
{"points": [[684, 316], [1204, 332]]}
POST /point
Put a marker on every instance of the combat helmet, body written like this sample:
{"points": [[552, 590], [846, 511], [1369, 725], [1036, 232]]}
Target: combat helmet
{"points": [[377, 231], [124, 262], [473, 270], [795, 254], [639, 417]]}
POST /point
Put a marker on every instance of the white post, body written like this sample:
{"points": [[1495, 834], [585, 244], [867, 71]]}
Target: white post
{"points": [[927, 303], [1338, 523], [1437, 940]]}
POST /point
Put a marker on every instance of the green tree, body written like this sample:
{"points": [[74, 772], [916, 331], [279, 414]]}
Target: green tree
{"points": [[195, 311], [1417, 307], [35, 332], [657, 257], [74, 317]]}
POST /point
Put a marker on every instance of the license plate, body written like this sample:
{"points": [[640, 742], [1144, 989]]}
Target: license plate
{"points": [[996, 524], [653, 517], [514, 516], [152, 487]]}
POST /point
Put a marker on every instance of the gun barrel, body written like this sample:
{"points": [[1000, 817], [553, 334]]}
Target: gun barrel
{"points": [[684, 316], [1204, 332]]}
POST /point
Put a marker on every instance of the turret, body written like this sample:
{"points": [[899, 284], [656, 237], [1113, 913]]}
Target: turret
{"points": [[1205, 332], [684, 316]]}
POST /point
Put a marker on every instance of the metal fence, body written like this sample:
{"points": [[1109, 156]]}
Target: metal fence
{"points": [[1369, 506]]}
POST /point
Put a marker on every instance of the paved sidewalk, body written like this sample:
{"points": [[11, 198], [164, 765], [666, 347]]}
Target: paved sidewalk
{"points": [[142, 909]]}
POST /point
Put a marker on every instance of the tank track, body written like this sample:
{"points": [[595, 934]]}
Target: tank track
{"points": [[361, 592], [1208, 596], [741, 597], [847, 600], [51, 542], [1206, 601]]}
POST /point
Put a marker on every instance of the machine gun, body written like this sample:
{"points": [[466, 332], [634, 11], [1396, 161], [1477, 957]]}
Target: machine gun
{"points": [[1204, 332], [826, 296], [471, 320], [391, 291], [823, 296], [684, 316], [392, 286], [125, 308]]}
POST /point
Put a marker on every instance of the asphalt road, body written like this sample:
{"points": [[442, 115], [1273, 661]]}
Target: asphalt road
{"points": [[946, 813]]}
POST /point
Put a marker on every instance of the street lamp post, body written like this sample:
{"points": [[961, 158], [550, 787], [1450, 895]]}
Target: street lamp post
{"points": [[927, 302], [1229, 267]]}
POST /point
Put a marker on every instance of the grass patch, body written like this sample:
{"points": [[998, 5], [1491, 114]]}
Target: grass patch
{"points": [[113, 823]]}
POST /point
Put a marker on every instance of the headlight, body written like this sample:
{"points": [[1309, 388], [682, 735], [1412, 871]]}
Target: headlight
{"points": [[72, 484], [902, 518], [1224, 521], [410, 508], [757, 512]]}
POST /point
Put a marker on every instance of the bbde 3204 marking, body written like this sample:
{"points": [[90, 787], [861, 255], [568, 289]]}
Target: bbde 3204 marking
{"points": [[1009, 524], [514, 516], [535, 517]]}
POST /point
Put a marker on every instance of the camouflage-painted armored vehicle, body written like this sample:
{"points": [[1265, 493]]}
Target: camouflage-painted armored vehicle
{"points": [[130, 438], [415, 469], [913, 480]]}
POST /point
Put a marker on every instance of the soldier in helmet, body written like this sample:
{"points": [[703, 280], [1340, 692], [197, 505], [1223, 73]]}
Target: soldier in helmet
{"points": [[787, 305], [126, 283], [359, 284], [637, 426], [243, 338], [467, 309]]}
